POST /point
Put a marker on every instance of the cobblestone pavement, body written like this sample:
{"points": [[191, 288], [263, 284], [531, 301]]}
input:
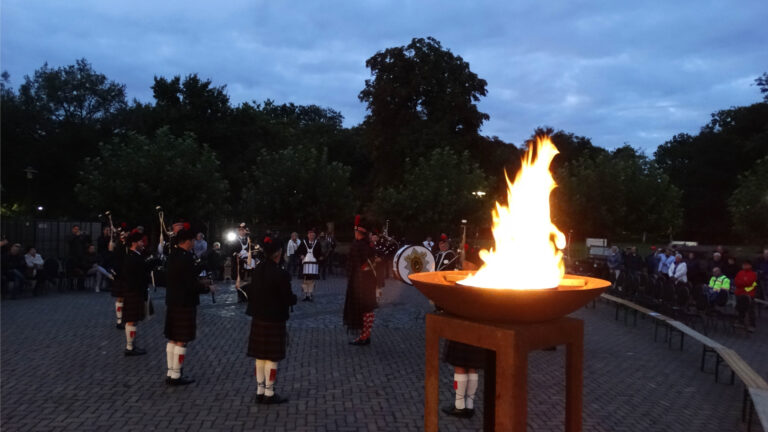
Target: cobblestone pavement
{"points": [[63, 369]]}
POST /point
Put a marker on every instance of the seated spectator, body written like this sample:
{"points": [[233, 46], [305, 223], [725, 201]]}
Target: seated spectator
{"points": [[633, 264], [696, 271], [200, 246], [213, 260], [615, 263], [718, 288], [93, 268], [730, 268], [666, 261], [14, 268], [678, 271], [746, 288]]}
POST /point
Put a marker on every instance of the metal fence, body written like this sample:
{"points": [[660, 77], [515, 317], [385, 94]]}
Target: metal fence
{"points": [[49, 237]]}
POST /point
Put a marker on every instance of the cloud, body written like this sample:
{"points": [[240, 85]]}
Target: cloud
{"points": [[615, 72]]}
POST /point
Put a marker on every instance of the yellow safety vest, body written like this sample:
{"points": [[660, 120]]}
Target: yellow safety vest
{"points": [[718, 283]]}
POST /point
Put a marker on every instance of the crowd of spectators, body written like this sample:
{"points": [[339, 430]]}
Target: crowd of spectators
{"points": [[721, 278]]}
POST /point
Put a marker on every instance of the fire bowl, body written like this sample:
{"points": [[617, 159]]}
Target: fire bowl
{"points": [[507, 305]]}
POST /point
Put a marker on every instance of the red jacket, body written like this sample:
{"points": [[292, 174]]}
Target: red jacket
{"points": [[745, 279]]}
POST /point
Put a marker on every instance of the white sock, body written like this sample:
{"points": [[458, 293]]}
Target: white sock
{"points": [[260, 376], [178, 361], [119, 311], [130, 335], [471, 390], [460, 385], [170, 352], [270, 372]]}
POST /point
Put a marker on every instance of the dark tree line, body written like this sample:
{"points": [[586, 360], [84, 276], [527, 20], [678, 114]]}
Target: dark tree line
{"points": [[74, 144]]}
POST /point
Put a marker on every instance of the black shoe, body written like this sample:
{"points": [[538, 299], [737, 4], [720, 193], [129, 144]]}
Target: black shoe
{"points": [[274, 399], [120, 326], [182, 381], [361, 342], [311, 298], [259, 398], [456, 412], [136, 351]]}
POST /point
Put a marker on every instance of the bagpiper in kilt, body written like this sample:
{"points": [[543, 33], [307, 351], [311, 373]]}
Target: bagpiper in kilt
{"points": [[269, 300], [385, 250], [117, 286], [360, 301], [310, 254], [134, 281], [181, 299], [465, 359]]}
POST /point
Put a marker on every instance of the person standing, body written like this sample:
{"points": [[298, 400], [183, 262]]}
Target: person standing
{"points": [[761, 266], [135, 280], [445, 258], [181, 299], [666, 261], [429, 244], [269, 301], [118, 247], [242, 263], [290, 253], [201, 246], [360, 301], [746, 289], [678, 271], [311, 255]]}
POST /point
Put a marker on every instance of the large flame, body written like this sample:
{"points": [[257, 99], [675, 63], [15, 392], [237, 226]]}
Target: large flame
{"points": [[528, 245]]}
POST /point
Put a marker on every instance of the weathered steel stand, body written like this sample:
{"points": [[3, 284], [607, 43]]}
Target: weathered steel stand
{"points": [[506, 373]]}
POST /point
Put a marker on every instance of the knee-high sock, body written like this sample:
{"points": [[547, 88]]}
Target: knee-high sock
{"points": [[178, 361], [368, 319], [260, 376], [308, 286], [170, 353], [119, 311], [130, 335], [460, 386], [270, 372], [472, 380]]}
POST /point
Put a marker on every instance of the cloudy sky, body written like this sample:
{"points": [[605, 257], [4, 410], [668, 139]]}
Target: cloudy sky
{"points": [[617, 72]]}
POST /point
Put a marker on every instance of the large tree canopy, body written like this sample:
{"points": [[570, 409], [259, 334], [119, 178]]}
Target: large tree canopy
{"points": [[132, 174], [421, 97], [749, 203]]}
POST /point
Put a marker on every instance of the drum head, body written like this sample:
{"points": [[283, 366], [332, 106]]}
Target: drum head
{"points": [[412, 259]]}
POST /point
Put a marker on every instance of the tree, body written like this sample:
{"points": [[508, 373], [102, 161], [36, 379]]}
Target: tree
{"points": [[762, 83], [54, 121], [435, 195], [297, 185], [132, 174], [617, 194], [421, 97], [748, 205]]}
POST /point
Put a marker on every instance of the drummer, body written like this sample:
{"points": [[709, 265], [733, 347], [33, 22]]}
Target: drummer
{"points": [[445, 258], [310, 254], [465, 359]]}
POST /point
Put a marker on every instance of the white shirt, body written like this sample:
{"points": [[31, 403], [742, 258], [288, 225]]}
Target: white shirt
{"points": [[292, 246], [429, 244], [36, 261], [679, 271]]}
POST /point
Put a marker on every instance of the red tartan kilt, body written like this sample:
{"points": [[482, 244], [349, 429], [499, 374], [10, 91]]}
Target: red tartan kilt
{"points": [[465, 356], [267, 340], [181, 323], [133, 308]]}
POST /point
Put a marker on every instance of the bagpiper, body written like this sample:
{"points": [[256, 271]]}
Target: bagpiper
{"points": [[135, 279], [360, 301], [269, 300], [181, 299]]}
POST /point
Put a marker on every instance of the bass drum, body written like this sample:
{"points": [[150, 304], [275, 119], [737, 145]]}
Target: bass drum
{"points": [[412, 259]]}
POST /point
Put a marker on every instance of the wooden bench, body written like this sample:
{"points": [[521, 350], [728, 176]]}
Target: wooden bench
{"points": [[758, 403], [626, 305], [760, 303]]}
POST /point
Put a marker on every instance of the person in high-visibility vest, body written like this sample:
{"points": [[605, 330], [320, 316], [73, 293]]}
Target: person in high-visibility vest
{"points": [[719, 286], [746, 288]]}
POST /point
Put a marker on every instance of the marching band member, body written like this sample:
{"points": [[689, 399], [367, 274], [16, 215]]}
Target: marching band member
{"points": [[445, 258], [385, 250], [269, 300], [360, 301], [242, 266], [117, 245], [182, 298], [135, 278], [465, 359], [310, 254]]}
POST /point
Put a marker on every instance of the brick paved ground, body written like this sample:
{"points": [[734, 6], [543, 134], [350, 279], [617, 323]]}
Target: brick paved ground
{"points": [[63, 369]]}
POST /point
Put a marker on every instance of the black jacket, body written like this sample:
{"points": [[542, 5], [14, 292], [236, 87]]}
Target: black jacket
{"points": [[360, 254], [184, 288], [135, 275], [270, 296]]}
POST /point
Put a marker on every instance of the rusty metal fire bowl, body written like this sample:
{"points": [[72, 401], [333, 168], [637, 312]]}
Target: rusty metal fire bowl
{"points": [[507, 305]]}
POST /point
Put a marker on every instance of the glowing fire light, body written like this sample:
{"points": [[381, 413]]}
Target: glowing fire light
{"points": [[528, 245]]}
